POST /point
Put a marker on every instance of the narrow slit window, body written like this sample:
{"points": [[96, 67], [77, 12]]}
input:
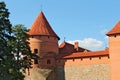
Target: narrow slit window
{"points": [[48, 62]]}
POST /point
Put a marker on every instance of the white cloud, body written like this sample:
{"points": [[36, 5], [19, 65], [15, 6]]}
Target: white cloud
{"points": [[89, 43]]}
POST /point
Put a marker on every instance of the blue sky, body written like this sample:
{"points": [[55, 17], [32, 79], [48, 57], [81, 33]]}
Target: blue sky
{"points": [[85, 21]]}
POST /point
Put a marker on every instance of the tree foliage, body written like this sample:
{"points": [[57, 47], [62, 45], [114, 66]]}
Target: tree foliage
{"points": [[5, 30], [15, 54], [20, 47], [5, 35]]}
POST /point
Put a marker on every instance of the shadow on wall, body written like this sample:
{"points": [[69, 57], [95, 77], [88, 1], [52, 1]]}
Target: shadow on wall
{"points": [[60, 73]]}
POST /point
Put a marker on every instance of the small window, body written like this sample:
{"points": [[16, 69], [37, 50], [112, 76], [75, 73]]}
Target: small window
{"points": [[35, 51], [48, 36], [48, 62], [35, 61]]}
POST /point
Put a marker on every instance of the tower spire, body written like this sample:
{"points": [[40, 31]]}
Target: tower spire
{"points": [[42, 27]]}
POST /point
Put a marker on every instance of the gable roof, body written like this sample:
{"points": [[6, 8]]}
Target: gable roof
{"points": [[42, 27], [115, 29], [66, 48]]}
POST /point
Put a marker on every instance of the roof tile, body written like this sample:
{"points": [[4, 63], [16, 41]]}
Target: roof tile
{"points": [[66, 48], [42, 27], [88, 54], [115, 30]]}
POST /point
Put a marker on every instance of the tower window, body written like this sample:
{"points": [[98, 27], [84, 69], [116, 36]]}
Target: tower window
{"points": [[35, 51], [35, 61], [48, 36], [48, 62]]}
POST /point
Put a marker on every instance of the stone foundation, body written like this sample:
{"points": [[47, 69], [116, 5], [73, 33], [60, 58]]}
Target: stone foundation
{"points": [[88, 72], [40, 74]]}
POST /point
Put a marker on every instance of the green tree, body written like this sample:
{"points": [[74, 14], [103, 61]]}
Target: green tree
{"points": [[15, 54], [20, 47], [5, 35], [5, 30]]}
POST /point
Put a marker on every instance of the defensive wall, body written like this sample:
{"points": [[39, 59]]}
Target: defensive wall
{"points": [[94, 68]]}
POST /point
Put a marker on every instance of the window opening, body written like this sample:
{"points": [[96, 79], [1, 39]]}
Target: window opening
{"points": [[35, 51], [48, 62]]}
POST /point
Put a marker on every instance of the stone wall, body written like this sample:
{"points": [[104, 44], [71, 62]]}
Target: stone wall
{"points": [[89, 72], [40, 74], [60, 74]]}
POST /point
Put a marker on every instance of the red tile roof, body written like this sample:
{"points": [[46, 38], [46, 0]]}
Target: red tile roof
{"points": [[42, 27], [115, 30], [88, 54], [67, 49]]}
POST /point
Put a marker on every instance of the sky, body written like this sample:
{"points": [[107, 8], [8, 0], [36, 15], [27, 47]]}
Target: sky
{"points": [[85, 21]]}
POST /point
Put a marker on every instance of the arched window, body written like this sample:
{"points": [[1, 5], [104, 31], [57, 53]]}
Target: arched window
{"points": [[48, 61]]}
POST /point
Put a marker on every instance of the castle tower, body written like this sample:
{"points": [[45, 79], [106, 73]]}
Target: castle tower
{"points": [[114, 51], [43, 42]]}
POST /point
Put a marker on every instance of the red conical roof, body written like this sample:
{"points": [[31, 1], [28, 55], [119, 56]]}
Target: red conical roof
{"points": [[115, 30], [42, 27]]}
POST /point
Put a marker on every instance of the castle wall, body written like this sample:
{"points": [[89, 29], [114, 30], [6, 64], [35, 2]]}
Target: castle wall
{"points": [[46, 47], [87, 69], [44, 44], [114, 50]]}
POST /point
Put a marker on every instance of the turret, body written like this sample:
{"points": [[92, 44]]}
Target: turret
{"points": [[114, 51], [43, 42]]}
